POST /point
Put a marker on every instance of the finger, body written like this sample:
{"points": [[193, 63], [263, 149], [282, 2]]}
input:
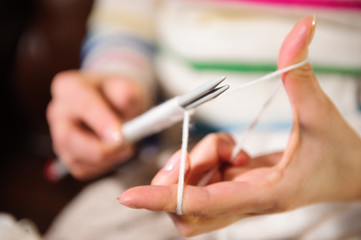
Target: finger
{"points": [[203, 174], [96, 159], [209, 154], [82, 169], [170, 172], [70, 137], [125, 96], [81, 151], [73, 150], [217, 199], [245, 173], [86, 147], [301, 84], [241, 159], [83, 101]]}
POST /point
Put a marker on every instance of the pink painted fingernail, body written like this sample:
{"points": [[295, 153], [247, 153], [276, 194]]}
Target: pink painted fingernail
{"points": [[241, 158], [172, 163], [113, 135]]}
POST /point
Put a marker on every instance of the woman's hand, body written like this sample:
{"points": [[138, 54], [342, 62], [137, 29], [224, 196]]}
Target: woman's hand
{"points": [[85, 117], [322, 161]]}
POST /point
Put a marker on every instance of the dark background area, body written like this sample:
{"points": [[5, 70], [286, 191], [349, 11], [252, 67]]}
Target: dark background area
{"points": [[39, 38]]}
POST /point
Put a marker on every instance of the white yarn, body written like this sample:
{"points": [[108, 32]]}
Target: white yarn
{"points": [[267, 103], [269, 76], [223, 234], [185, 135], [239, 146]]}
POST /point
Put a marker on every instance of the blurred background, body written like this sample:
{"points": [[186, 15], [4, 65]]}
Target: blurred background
{"points": [[39, 38]]}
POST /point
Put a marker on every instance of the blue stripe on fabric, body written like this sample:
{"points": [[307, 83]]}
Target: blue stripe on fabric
{"points": [[92, 41]]}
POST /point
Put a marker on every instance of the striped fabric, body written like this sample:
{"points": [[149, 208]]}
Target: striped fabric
{"points": [[121, 40], [201, 40]]}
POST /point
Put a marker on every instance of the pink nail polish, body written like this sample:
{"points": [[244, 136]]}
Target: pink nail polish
{"points": [[314, 21], [172, 163], [113, 136]]}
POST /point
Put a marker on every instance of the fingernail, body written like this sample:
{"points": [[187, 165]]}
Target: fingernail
{"points": [[314, 21], [113, 135], [225, 147], [226, 137], [312, 29], [241, 158], [126, 202], [172, 163]]}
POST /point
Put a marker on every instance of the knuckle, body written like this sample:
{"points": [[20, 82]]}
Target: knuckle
{"points": [[212, 138], [135, 96], [50, 111], [79, 173], [304, 71], [100, 156], [62, 81], [187, 230], [131, 97]]}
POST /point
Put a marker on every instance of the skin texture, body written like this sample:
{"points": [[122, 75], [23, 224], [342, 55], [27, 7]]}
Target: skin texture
{"points": [[85, 116], [322, 160]]}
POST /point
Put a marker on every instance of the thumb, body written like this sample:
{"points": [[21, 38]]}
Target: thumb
{"points": [[301, 84]]}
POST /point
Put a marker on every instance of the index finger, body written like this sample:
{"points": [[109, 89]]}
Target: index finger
{"points": [[87, 105], [217, 199], [213, 151]]}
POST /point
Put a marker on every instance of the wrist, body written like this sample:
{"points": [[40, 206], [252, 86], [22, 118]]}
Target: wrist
{"points": [[352, 187]]}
